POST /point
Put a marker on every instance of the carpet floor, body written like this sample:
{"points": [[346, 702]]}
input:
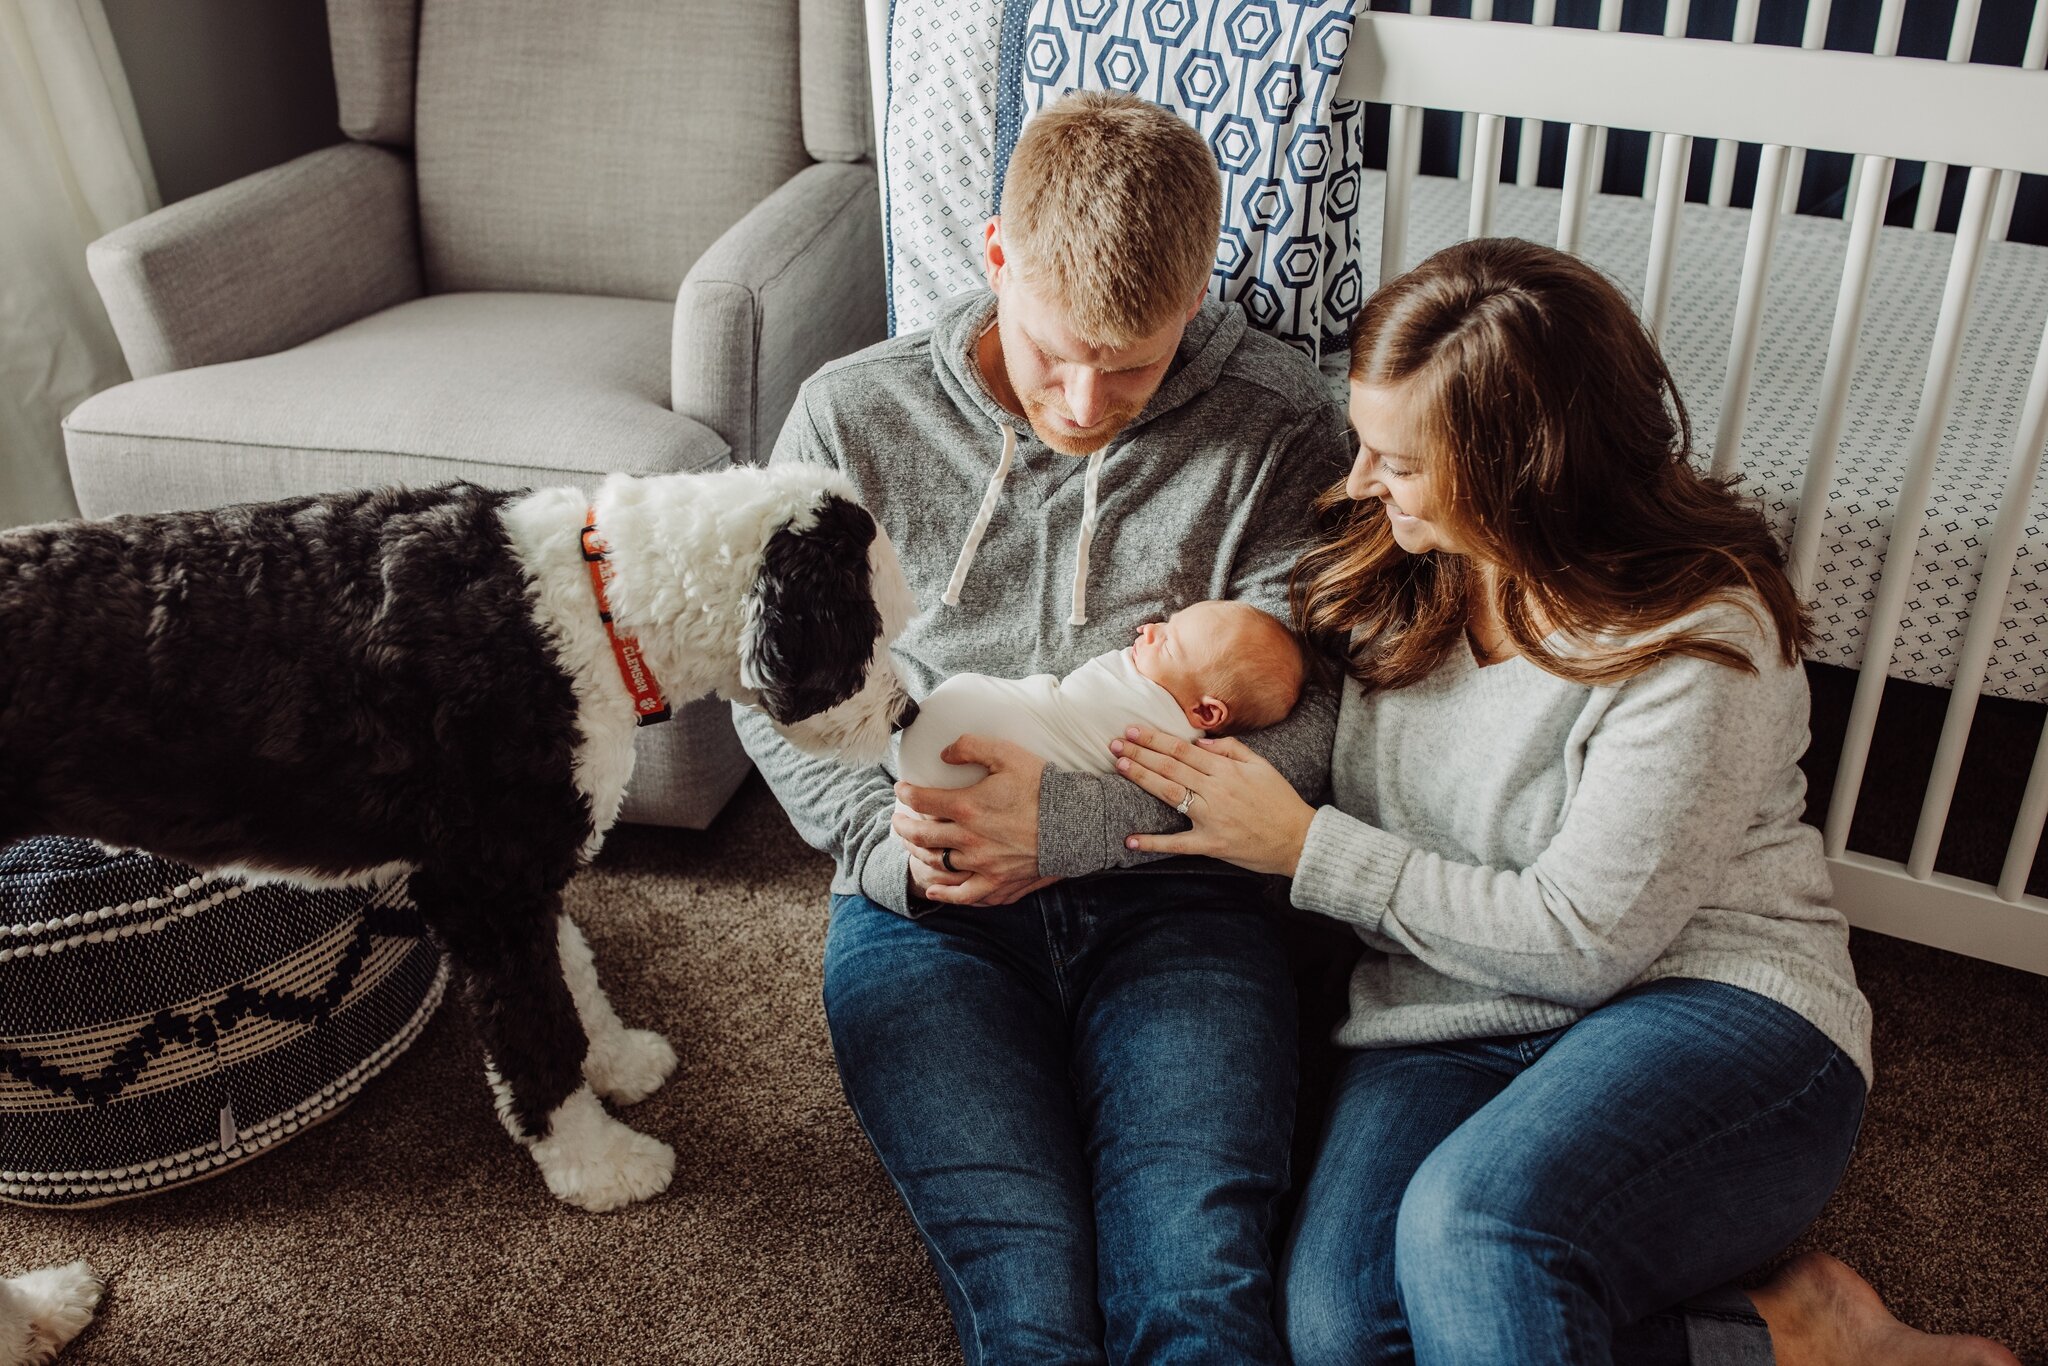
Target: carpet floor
{"points": [[408, 1229]]}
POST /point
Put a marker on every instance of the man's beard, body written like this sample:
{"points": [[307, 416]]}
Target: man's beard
{"points": [[1096, 438]]}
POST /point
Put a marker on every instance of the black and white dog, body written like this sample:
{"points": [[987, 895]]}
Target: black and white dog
{"points": [[443, 684]]}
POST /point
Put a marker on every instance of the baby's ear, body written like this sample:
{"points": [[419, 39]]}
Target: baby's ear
{"points": [[1211, 714]]}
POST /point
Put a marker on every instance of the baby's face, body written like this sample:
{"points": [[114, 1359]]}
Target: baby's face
{"points": [[1179, 654]]}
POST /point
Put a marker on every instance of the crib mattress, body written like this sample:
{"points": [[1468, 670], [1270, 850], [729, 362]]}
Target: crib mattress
{"points": [[2004, 333]]}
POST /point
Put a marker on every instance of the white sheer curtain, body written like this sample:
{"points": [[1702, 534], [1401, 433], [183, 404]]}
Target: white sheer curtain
{"points": [[72, 167]]}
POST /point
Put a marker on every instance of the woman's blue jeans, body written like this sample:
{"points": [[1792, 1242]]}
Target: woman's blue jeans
{"points": [[1559, 1197], [1085, 1099]]}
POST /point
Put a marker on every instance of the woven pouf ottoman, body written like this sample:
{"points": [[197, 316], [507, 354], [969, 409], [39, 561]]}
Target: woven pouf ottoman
{"points": [[158, 1025]]}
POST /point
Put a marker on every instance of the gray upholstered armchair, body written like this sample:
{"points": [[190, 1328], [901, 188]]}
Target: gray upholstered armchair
{"points": [[562, 240]]}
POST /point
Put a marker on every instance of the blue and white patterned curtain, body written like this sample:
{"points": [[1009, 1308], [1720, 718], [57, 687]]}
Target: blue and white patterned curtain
{"points": [[1257, 78]]}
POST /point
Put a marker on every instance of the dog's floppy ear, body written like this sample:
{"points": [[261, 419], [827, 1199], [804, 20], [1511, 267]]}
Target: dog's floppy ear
{"points": [[811, 620]]}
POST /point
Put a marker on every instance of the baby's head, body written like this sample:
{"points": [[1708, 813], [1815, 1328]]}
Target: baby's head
{"points": [[1231, 667]]}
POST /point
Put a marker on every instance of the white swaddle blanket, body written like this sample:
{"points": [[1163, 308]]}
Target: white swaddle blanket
{"points": [[1068, 722]]}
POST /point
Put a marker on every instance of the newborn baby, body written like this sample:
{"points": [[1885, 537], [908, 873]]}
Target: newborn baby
{"points": [[1215, 668]]}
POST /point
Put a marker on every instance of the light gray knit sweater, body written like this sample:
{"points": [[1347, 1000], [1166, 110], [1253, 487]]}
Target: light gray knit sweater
{"points": [[1515, 849]]}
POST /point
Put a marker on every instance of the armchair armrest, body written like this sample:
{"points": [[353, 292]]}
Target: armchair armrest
{"points": [[795, 283], [264, 263]]}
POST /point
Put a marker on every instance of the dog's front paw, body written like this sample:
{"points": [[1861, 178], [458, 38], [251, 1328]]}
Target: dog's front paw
{"points": [[628, 1066], [591, 1160], [60, 1301], [626, 1167]]}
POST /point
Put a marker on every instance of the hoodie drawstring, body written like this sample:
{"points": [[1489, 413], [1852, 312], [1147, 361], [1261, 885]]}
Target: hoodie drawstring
{"points": [[987, 512], [981, 518], [1080, 617]]}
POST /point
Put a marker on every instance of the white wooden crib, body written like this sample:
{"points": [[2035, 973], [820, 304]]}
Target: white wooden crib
{"points": [[1853, 376]]}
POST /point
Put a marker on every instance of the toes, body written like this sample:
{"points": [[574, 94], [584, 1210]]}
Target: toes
{"points": [[633, 1168], [61, 1300], [629, 1066], [594, 1162]]}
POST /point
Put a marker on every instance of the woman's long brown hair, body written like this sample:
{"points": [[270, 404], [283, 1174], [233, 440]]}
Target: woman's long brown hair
{"points": [[1564, 455]]}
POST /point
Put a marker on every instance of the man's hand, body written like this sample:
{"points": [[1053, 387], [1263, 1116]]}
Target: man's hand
{"points": [[988, 832]]}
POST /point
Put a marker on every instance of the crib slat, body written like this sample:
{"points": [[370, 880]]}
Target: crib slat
{"points": [[1676, 12], [1962, 35], [1664, 232], [1927, 206], [1571, 217], [2002, 204], [1986, 614], [1447, 7], [1482, 11], [1866, 217], [1488, 136], [1402, 123], [1531, 150], [1721, 190], [2026, 833], [1749, 311], [1962, 30], [1814, 35], [1890, 15], [1610, 22], [2009, 181], [1882, 628]]}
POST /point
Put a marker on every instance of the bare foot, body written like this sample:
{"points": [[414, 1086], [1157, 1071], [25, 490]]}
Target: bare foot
{"points": [[1823, 1314]]}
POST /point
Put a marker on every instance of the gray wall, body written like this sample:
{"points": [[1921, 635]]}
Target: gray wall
{"points": [[226, 87]]}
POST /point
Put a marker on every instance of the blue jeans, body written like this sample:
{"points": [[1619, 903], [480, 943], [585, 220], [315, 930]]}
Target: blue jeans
{"points": [[1085, 1100], [1552, 1197]]}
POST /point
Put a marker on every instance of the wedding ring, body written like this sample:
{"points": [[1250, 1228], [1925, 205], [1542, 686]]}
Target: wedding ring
{"points": [[1185, 802], [946, 858]]}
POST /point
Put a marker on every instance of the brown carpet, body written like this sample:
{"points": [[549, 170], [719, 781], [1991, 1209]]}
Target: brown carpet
{"points": [[409, 1229]]}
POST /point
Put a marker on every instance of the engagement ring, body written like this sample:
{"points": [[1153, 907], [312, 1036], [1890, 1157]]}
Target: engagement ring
{"points": [[1186, 802]]}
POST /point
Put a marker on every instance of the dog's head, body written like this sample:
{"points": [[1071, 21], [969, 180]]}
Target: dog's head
{"points": [[814, 641]]}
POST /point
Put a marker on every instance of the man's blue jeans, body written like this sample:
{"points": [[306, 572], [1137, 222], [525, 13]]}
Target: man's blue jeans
{"points": [[1552, 1197], [1085, 1099]]}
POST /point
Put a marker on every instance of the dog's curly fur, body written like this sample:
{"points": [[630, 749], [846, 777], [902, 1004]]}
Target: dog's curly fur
{"points": [[41, 1311], [356, 687]]}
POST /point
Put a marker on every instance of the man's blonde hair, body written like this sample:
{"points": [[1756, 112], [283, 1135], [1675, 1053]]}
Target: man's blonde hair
{"points": [[1111, 210]]}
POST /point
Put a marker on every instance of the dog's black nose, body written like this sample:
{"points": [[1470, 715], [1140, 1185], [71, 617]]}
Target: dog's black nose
{"points": [[906, 716]]}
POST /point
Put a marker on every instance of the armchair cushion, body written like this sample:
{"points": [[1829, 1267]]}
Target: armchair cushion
{"points": [[262, 264], [374, 42], [833, 56], [510, 390], [598, 149], [791, 286]]}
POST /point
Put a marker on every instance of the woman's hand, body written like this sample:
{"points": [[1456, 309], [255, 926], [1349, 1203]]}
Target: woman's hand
{"points": [[1243, 811]]}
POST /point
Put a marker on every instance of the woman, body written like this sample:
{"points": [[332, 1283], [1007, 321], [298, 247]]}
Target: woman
{"points": [[1607, 1050]]}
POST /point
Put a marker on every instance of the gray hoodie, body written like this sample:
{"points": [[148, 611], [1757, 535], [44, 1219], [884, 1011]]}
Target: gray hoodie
{"points": [[1027, 561]]}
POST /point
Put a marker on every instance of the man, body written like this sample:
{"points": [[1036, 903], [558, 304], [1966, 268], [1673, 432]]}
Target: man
{"points": [[1078, 1067]]}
